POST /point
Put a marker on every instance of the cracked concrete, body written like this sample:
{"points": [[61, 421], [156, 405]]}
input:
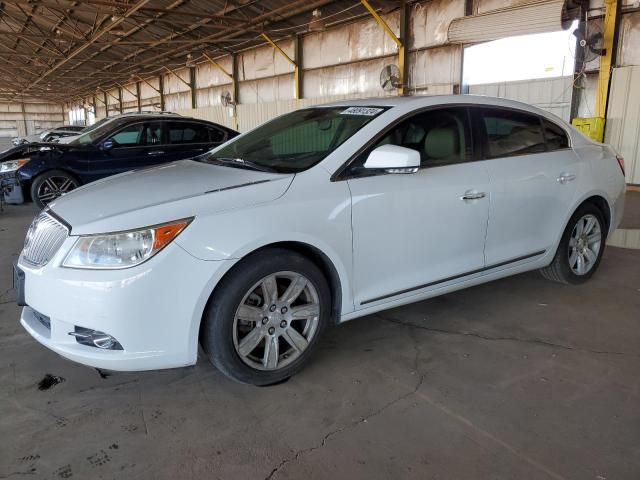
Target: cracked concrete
{"points": [[519, 378], [505, 339]]}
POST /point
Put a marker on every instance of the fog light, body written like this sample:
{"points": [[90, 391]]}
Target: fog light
{"points": [[94, 338]]}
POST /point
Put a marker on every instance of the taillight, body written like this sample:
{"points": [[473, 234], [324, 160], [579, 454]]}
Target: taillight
{"points": [[620, 159]]}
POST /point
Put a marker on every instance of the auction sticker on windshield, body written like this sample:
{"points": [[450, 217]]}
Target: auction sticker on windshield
{"points": [[366, 111]]}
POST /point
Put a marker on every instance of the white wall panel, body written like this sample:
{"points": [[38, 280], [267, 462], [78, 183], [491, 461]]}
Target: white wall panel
{"points": [[435, 71], [172, 84], [266, 89], [351, 79], [208, 97], [129, 94], [146, 91], [217, 114], [349, 43], [629, 53], [265, 61], [622, 128], [208, 75], [550, 94], [587, 102], [177, 101], [36, 117], [429, 22]]}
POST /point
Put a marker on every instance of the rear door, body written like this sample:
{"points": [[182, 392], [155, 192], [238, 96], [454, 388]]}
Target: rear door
{"points": [[187, 139], [533, 176]]}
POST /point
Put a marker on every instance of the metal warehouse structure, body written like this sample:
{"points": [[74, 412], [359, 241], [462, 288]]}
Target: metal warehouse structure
{"points": [[242, 62]]}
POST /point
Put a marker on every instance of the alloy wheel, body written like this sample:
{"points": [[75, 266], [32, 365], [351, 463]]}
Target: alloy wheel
{"points": [[54, 186], [584, 244], [276, 321]]}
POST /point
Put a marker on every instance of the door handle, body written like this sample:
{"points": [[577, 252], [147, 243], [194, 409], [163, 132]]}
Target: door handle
{"points": [[155, 152], [566, 177], [473, 195]]}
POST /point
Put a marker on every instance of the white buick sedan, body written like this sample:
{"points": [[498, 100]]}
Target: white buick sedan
{"points": [[319, 216]]}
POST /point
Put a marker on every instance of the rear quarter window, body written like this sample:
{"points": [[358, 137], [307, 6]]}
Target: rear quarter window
{"points": [[510, 133], [555, 136]]}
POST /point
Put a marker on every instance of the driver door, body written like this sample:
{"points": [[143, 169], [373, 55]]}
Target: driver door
{"points": [[420, 231], [135, 146]]}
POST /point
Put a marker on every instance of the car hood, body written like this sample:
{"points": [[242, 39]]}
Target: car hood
{"points": [[164, 193], [69, 139], [24, 149]]}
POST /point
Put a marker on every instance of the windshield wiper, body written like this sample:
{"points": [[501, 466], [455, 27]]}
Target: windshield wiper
{"points": [[242, 163]]}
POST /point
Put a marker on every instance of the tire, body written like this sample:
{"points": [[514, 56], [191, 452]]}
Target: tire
{"points": [[566, 265], [50, 185], [255, 341]]}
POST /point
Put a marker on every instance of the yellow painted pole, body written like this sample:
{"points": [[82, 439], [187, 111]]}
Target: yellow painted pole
{"points": [[296, 70], [604, 76], [394, 37]]}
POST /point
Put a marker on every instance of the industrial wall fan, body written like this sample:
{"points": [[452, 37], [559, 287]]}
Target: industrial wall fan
{"points": [[592, 42], [390, 78], [226, 99]]}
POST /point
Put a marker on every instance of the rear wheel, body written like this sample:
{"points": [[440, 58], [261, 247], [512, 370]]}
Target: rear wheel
{"points": [[580, 249], [50, 185], [266, 317]]}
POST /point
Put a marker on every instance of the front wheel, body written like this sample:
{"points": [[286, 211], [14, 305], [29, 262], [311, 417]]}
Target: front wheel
{"points": [[580, 249], [265, 318], [50, 185]]}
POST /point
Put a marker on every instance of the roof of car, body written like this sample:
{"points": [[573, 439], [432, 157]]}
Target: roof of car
{"points": [[419, 101], [428, 100]]}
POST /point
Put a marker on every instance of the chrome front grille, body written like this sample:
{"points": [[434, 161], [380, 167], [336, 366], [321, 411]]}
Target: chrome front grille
{"points": [[44, 238]]}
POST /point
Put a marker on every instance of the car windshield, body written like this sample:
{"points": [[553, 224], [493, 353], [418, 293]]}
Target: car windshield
{"points": [[296, 141], [92, 135]]}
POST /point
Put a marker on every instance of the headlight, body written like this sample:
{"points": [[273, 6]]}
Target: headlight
{"points": [[12, 165], [122, 249]]}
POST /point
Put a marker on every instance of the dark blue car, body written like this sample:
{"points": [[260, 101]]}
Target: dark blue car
{"points": [[124, 143]]}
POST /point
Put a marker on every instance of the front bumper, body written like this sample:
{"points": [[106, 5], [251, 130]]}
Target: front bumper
{"points": [[153, 310], [10, 188]]}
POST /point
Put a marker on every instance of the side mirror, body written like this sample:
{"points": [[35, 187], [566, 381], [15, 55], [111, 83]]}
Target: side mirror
{"points": [[107, 145], [393, 159]]}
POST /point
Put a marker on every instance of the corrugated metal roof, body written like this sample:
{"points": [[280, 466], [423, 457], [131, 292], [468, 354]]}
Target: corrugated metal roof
{"points": [[54, 46]]}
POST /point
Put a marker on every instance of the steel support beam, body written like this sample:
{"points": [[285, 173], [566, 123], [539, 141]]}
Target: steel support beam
{"points": [[298, 73], [403, 65], [235, 90], [398, 41], [218, 66], [146, 82], [607, 60], [578, 82], [192, 87], [161, 92], [296, 69], [188, 84], [138, 97]]}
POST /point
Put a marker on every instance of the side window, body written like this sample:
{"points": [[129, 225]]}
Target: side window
{"points": [[153, 133], [216, 135], [185, 132], [129, 136], [442, 137], [555, 136], [508, 133]]}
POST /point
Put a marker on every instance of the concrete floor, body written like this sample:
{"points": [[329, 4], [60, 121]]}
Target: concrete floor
{"points": [[516, 379]]}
